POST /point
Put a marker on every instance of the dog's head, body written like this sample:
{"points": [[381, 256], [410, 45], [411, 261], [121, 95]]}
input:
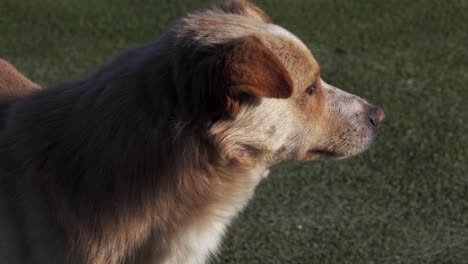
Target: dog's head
{"points": [[269, 84]]}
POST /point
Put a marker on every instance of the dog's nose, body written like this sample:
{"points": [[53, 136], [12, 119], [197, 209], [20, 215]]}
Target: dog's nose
{"points": [[376, 116]]}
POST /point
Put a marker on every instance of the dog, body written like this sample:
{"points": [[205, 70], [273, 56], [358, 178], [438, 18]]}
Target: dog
{"points": [[149, 158]]}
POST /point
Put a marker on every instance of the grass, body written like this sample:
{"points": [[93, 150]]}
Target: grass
{"points": [[403, 201]]}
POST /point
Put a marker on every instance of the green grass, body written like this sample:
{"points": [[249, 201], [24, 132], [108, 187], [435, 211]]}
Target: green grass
{"points": [[403, 201]]}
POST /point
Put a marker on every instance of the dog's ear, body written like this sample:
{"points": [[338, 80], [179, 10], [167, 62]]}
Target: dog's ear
{"points": [[240, 7], [219, 78], [247, 67]]}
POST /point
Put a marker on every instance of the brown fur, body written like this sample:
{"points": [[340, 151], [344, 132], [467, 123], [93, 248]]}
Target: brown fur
{"points": [[148, 159], [248, 67], [13, 83]]}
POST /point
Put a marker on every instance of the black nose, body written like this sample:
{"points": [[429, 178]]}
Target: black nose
{"points": [[376, 116]]}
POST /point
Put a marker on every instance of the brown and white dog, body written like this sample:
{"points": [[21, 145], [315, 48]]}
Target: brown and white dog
{"points": [[149, 158]]}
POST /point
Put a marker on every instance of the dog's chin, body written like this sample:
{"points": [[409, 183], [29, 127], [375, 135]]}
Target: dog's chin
{"points": [[322, 154], [325, 154], [342, 153]]}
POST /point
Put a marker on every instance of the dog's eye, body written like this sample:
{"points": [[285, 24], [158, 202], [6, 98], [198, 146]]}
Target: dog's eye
{"points": [[311, 89]]}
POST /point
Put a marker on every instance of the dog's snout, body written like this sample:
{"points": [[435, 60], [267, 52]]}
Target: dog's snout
{"points": [[376, 116]]}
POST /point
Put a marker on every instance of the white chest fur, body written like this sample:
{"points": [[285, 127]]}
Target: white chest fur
{"points": [[201, 239]]}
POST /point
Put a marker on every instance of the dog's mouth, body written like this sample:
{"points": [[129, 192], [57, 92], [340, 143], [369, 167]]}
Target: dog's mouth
{"points": [[322, 154]]}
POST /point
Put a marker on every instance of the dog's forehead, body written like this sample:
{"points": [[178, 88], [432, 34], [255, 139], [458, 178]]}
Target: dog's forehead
{"points": [[283, 33]]}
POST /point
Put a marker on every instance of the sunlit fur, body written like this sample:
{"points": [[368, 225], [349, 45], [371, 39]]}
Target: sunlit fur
{"points": [[13, 83]]}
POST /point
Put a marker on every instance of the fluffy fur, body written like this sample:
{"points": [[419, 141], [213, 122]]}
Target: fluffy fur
{"points": [[148, 158]]}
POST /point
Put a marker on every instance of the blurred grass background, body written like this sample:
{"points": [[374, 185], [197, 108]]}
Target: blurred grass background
{"points": [[403, 201]]}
